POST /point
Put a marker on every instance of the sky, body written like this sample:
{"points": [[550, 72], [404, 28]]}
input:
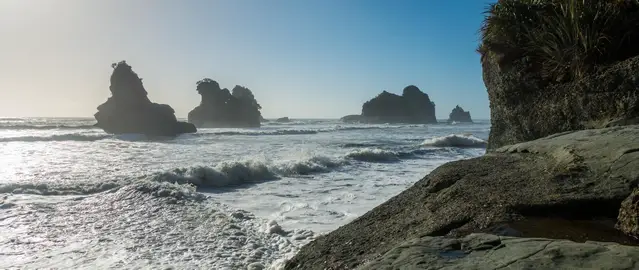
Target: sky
{"points": [[301, 58]]}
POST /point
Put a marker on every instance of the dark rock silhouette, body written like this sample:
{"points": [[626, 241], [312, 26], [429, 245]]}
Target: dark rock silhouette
{"points": [[283, 120], [224, 108], [129, 109], [353, 118], [459, 115], [413, 106]]}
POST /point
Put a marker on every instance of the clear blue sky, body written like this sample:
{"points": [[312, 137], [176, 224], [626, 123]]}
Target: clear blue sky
{"points": [[301, 58]]}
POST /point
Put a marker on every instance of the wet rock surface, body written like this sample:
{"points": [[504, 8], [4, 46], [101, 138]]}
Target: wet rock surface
{"points": [[485, 251]]}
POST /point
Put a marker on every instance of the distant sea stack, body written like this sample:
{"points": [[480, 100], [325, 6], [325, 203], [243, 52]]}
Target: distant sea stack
{"points": [[283, 120], [221, 108], [129, 109], [459, 115], [412, 107]]}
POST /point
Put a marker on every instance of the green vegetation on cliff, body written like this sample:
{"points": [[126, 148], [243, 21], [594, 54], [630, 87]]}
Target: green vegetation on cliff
{"points": [[560, 40]]}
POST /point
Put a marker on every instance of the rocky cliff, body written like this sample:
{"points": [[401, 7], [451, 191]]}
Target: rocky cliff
{"points": [[129, 109], [540, 83], [413, 106], [459, 115], [224, 108]]}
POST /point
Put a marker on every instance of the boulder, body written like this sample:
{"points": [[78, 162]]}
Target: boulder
{"points": [[129, 109], [413, 106], [485, 251], [459, 115], [628, 219], [224, 108], [565, 186]]}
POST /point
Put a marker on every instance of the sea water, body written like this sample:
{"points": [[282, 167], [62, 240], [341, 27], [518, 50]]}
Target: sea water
{"points": [[74, 197]]}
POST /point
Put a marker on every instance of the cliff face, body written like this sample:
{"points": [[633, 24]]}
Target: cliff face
{"points": [[129, 109], [413, 106], [224, 108], [524, 108], [459, 115], [555, 66]]}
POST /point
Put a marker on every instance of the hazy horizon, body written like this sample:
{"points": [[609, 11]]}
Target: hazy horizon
{"points": [[319, 59]]}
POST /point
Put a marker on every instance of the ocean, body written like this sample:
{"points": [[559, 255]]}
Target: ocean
{"points": [[74, 197]]}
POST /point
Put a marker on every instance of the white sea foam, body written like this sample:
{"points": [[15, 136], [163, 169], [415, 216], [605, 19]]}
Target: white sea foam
{"points": [[56, 138], [121, 203], [143, 225], [456, 140]]}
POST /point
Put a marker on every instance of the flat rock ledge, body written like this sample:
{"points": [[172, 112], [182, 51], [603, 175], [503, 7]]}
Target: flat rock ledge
{"points": [[486, 251]]}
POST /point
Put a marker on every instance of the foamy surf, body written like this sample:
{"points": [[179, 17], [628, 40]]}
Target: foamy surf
{"points": [[230, 173], [236, 173], [43, 127], [223, 174], [142, 225], [56, 138], [455, 140], [120, 202]]}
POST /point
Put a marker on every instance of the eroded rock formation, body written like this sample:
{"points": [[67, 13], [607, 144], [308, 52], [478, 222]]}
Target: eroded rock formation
{"points": [[413, 106], [129, 109], [224, 108], [459, 115]]}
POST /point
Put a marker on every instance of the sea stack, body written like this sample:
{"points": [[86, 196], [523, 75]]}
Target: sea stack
{"points": [[459, 115], [412, 107], [129, 109], [221, 108], [283, 120]]}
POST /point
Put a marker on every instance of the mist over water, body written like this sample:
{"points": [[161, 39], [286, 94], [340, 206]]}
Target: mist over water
{"points": [[73, 196]]}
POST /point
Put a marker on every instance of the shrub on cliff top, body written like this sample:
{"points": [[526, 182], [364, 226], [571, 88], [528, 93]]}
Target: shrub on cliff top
{"points": [[561, 40]]}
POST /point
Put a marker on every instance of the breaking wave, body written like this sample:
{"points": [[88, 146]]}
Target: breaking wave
{"points": [[455, 140], [262, 133], [56, 138], [286, 131], [373, 155], [224, 174], [235, 173], [45, 127]]}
